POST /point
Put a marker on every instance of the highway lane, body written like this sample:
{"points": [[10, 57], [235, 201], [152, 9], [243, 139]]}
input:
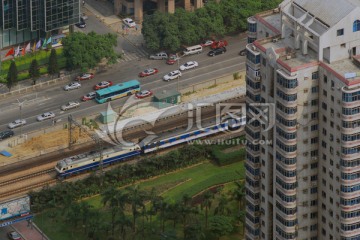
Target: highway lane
{"points": [[52, 98]]}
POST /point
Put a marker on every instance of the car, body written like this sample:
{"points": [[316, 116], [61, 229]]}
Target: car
{"points": [[129, 22], [172, 75], [217, 51], [17, 123], [89, 96], [219, 44], [6, 134], [85, 76], [81, 24], [45, 116], [71, 86], [70, 105], [189, 65], [148, 72], [14, 235], [242, 52], [172, 59], [207, 43], [143, 94], [159, 56], [103, 84]]}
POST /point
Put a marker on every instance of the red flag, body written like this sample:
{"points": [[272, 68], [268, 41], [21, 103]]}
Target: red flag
{"points": [[23, 51], [10, 52]]}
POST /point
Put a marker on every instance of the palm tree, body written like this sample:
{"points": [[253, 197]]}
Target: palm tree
{"points": [[238, 194], [115, 200], [222, 208], [136, 198], [123, 222], [206, 203]]}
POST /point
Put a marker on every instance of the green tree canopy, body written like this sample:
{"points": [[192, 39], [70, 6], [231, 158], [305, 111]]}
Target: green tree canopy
{"points": [[220, 225], [53, 64], [12, 76], [34, 70], [87, 50]]}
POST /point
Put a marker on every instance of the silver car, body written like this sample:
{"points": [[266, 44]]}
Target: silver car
{"points": [[172, 75], [189, 65], [17, 123], [70, 105], [159, 56], [45, 116], [71, 86]]}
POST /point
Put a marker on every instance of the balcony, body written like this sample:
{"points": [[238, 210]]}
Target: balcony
{"points": [[287, 83], [253, 57]]}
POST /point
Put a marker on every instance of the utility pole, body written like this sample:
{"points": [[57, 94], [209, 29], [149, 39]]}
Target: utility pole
{"points": [[20, 104], [178, 63]]}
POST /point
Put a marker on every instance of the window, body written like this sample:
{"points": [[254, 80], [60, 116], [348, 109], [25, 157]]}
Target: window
{"points": [[315, 75], [314, 127], [325, 79], [314, 115], [315, 89], [314, 102], [356, 26], [340, 32], [324, 93], [343, 45]]}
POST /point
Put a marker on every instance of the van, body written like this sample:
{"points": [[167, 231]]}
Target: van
{"points": [[193, 50], [159, 56]]}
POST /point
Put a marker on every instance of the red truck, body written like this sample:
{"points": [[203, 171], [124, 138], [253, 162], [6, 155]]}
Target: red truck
{"points": [[219, 44]]}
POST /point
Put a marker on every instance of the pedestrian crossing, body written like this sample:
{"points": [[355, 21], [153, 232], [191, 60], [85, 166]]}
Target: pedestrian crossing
{"points": [[135, 55]]}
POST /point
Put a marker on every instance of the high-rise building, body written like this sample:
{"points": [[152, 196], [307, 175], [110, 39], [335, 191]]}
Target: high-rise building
{"points": [[304, 57], [25, 20]]}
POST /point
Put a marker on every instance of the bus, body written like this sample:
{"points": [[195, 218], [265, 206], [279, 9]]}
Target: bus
{"points": [[117, 91]]}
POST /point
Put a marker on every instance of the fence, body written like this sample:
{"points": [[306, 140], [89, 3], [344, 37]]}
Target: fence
{"points": [[212, 82], [39, 86]]}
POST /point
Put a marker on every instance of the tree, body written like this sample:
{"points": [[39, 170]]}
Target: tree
{"points": [[115, 200], [12, 76], [135, 197], [53, 64], [238, 194], [220, 225], [34, 71], [206, 203], [87, 50], [222, 207]]}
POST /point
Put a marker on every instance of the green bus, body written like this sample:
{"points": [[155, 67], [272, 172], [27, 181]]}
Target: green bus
{"points": [[117, 91]]}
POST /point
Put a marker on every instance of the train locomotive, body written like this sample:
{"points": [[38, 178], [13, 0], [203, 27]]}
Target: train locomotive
{"points": [[91, 161]]}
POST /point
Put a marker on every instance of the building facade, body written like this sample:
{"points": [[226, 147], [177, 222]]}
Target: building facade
{"points": [[304, 59], [25, 20]]}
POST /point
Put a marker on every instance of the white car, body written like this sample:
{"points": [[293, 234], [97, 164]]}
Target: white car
{"points": [[45, 116], [172, 75], [17, 123], [189, 65], [70, 105], [71, 86], [129, 22]]}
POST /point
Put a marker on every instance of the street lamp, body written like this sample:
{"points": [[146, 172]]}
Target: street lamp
{"points": [[178, 63], [20, 104]]}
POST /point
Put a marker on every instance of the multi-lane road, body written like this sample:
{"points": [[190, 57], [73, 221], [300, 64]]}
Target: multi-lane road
{"points": [[51, 98]]}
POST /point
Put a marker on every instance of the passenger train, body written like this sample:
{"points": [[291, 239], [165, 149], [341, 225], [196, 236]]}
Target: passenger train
{"points": [[91, 161]]}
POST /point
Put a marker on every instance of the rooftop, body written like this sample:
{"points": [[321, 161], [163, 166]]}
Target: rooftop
{"points": [[348, 67], [272, 19]]}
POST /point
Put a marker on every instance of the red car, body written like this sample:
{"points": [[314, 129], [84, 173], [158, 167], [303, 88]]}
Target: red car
{"points": [[219, 44], [143, 94], [148, 72], [85, 76], [172, 59], [88, 96], [103, 84]]}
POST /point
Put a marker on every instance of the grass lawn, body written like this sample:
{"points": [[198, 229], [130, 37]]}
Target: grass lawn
{"points": [[191, 181], [23, 63]]}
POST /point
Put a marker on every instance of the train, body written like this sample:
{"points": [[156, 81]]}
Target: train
{"points": [[91, 160]]}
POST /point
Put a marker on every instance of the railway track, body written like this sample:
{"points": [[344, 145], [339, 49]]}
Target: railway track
{"points": [[134, 133], [26, 177]]}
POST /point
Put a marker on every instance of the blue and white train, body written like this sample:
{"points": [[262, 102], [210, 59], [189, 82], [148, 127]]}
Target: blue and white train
{"points": [[91, 161]]}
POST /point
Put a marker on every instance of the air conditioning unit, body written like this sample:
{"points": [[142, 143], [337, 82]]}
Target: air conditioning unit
{"points": [[257, 78], [275, 40], [253, 48], [332, 88], [305, 154], [314, 158], [288, 57], [338, 101], [338, 140]]}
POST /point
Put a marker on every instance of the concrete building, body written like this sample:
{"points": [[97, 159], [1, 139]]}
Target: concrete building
{"points": [[25, 20], [304, 58], [136, 6]]}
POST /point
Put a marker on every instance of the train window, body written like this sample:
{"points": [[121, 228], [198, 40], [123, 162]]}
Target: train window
{"points": [[93, 160], [214, 128]]}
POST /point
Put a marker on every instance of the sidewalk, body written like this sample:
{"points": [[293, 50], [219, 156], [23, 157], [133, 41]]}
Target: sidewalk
{"points": [[29, 231]]}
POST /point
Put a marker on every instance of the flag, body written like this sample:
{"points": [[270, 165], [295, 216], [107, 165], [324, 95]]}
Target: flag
{"points": [[17, 51], [10, 52], [48, 41], [34, 47], [23, 51], [28, 48], [38, 44], [44, 43]]}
